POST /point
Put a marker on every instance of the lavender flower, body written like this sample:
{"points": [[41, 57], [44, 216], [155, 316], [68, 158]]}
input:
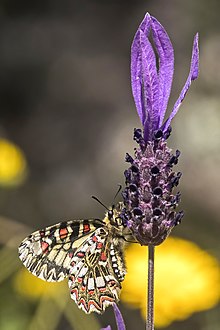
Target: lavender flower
{"points": [[149, 199]]}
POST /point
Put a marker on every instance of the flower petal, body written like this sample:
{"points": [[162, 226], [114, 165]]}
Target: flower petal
{"points": [[119, 318], [165, 52], [149, 86], [136, 79], [193, 74]]}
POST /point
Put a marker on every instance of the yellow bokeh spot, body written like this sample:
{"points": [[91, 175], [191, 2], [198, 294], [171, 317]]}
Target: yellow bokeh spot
{"points": [[31, 287], [13, 164], [187, 280]]}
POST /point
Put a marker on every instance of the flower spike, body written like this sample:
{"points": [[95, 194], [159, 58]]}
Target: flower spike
{"points": [[149, 197]]}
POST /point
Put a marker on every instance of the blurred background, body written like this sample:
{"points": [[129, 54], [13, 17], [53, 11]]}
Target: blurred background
{"points": [[66, 121]]}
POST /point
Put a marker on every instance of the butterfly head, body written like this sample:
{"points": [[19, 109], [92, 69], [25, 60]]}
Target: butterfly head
{"points": [[113, 215]]}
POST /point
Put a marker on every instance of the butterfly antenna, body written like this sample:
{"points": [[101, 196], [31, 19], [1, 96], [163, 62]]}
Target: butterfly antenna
{"points": [[118, 191], [96, 199]]}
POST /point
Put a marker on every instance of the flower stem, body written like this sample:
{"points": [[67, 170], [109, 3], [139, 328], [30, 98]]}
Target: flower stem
{"points": [[150, 297]]}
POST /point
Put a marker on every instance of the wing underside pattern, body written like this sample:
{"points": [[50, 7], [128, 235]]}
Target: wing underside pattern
{"points": [[47, 253], [89, 252]]}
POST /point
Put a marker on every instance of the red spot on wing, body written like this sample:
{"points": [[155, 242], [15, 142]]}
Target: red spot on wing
{"points": [[94, 303], [63, 233], [80, 254], [75, 291], [103, 257], [91, 292], [83, 302], [99, 245], [86, 228], [106, 298], [95, 239], [44, 247]]}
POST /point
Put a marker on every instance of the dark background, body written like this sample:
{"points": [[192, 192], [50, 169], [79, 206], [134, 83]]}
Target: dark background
{"points": [[65, 99]]}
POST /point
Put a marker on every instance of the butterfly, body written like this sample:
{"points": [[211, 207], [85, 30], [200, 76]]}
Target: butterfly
{"points": [[90, 253]]}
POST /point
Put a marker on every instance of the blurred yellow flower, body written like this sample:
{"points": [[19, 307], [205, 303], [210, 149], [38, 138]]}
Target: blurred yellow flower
{"points": [[31, 287], [187, 280], [13, 164]]}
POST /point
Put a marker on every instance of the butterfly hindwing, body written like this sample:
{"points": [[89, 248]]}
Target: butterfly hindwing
{"points": [[48, 253], [96, 273]]}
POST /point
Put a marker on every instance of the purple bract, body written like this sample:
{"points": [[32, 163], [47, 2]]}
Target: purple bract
{"points": [[151, 85]]}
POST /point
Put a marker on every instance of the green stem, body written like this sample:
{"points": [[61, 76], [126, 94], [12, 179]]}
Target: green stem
{"points": [[150, 297]]}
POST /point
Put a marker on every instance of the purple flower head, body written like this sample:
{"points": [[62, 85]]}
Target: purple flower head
{"points": [[151, 85], [150, 203]]}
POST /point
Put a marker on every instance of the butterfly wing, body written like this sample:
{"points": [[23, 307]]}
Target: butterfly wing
{"points": [[47, 253], [98, 268]]}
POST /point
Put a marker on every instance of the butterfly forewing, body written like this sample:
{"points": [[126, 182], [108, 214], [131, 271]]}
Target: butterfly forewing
{"points": [[47, 253], [89, 252]]}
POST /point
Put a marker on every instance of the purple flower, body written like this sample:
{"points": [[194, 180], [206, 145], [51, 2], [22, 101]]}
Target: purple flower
{"points": [[149, 200], [118, 318]]}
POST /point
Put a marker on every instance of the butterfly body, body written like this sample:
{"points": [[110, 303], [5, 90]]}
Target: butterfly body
{"points": [[90, 253]]}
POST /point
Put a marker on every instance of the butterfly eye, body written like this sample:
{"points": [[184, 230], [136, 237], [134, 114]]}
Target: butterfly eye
{"points": [[110, 214]]}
